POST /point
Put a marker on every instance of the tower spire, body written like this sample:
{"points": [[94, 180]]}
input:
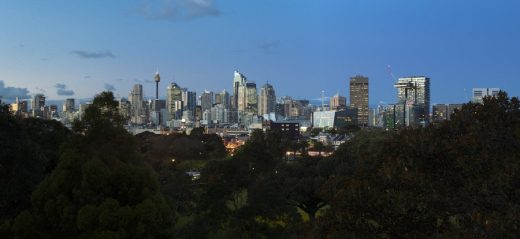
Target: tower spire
{"points": [[157, 79]]}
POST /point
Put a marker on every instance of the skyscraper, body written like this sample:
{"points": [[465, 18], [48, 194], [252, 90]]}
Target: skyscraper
{"points": [[136, 104], [19, 108], [68, 105], [38, 102], [267, 100], [359, 98], [174, 104], [223, 99], [189, 99], [238, 81], [206, 100], [480, 93], [241, 99], [337, 101], [413, 95], [251, 98]]}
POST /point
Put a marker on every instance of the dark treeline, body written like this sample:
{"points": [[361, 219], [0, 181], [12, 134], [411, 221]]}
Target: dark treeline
{"points": [[457, 179]]}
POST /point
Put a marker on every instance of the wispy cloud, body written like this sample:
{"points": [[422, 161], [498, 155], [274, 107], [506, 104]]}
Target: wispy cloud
{"points": [[62, 90], [175, 10], [144, 81], [269, 46], [10, 93], [109, 87], [93, 55]]}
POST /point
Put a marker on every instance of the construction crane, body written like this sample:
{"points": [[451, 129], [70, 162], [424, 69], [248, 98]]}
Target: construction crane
{"points": [[390, 73]]}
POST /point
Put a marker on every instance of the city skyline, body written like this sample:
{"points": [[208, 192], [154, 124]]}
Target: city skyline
{"points": [[76, 50]]}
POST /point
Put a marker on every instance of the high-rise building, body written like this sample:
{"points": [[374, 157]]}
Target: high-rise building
{"points": [[206, 100], [338, 102], [174, 104], [38, 105], [137, 109], [198, 113], [38, 102], [18, 108], [252, 98], [189, 98], [413, 95], [292, 108], [359, 98], [223, 99], [241, 99], [441, 112], [124, 108], [238, 81], [218, 114], [480, 93], [267, 100], [68, 105]]}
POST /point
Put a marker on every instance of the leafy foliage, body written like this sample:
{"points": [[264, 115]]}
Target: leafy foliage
{"points": [[458, 179], [30, 149], [100, 188]]}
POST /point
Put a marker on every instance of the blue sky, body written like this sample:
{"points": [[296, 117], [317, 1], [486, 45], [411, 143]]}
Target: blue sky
{"points": [[78, 48]]}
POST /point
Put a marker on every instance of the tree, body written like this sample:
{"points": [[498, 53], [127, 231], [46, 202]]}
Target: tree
{"points": [[101, 187], [318, 146], [302, 183], [315, 132], [453, 180], [29, 152], [102, 114]]}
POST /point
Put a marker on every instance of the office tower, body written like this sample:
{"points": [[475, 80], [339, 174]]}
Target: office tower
{"points": [[68, 105], [174, 104], [189, 98], [206, 100], [81, 110], [218, 98], [18, 108], [241, 99], [137, 109], [267, 100], [480, 93], [198, 113], [338, 102], [441, 112], [223, 99], [414, 99], [359, 98], [238, 81], [251, 98], [218, 114], [280, 109], [292, 108], [38, 105], [53, 112], [38, 102], [124, 108]]}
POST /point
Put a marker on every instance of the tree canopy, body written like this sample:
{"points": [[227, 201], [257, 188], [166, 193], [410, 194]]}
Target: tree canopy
{"points": [[101, 187]]}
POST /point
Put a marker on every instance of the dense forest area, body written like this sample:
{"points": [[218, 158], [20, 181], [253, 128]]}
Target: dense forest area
{"points": [[456, 179]]}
